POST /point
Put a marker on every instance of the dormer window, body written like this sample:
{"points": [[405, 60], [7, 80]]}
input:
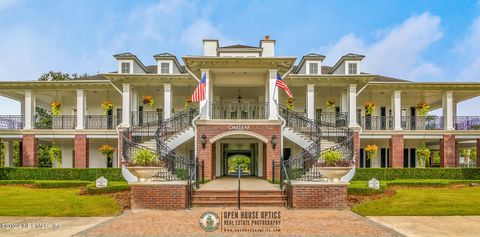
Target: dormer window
{"points": [[164, 68], [352, 68], [125, 67], [313, 68]]}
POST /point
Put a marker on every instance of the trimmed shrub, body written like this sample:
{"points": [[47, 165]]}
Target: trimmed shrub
{"points": [[60, 183], [361, 188], [112, 187], [9, 182], [415, 173], [90, 174]]}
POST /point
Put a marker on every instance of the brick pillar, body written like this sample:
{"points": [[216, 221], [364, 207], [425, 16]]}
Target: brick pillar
{"points": [[356, 148], [29, 151], [397, 144], [273, 154], [447, 151], [120, 149], [457, 155], [264, 156], [214, 160], [205, 154], [478, 152], [81, 151]]}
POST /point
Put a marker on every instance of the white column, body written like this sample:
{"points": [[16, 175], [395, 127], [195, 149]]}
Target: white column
{"points": [[311, 101], [272, 95], [8, 153], [167, 101], [81, 99], [352, 105], [126, 104], [29, 107], [134, 105], [397, 109], [205, 104], [344, 102], [447, 104]]}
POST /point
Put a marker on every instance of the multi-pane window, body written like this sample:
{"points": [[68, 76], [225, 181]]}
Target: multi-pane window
{"points": [[125, 67], [313, 69], [352, 68], [164, 68]]}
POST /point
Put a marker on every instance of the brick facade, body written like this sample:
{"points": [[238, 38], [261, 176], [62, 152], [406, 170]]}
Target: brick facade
{"points": [[212, 130], [356, 148], [397, 144], [29, 151], [166, 195], [447, 151], [318, 196], [81, 151]]}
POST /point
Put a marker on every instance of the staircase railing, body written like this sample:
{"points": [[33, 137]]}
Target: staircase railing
{"points": [[303, 166], [177, 165]]}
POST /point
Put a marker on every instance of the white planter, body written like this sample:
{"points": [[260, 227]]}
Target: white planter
{"points": [[144, 174], [333, 174]]}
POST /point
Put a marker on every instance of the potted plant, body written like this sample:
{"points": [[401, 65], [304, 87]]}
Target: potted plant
{"points": [[330, 103], [423, 155], [188, 103], [148, 100], [107, 151], [423, 108], [290, 105], [107, 106], [334, 166], [55, 105], [371, 152], [369, 108], [145, 165]]}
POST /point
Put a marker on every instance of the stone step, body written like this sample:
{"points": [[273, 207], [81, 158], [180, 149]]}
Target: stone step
{"points": [[230, 198], [235, 203]]}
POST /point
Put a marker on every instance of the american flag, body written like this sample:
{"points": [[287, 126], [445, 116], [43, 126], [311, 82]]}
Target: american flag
{"points": [[199, 93], [281, 84]]}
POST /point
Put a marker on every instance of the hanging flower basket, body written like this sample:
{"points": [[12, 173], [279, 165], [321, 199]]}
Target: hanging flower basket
{"points": [[148, 100], [330, 103], [371, 151], [423, 108], [55, 105], [107, 150], [290, 105], [107, 106], [369, 108], [188, 103]]}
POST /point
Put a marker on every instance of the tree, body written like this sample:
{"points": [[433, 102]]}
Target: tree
{"points": [[59, 76]]}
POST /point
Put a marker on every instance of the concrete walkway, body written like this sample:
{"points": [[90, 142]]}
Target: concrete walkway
{"points": [[246, 183], [434, 226], [292, 223], [46, 226]]}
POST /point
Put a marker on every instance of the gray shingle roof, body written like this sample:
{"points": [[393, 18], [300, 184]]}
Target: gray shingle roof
{"points": [[238, 46]]}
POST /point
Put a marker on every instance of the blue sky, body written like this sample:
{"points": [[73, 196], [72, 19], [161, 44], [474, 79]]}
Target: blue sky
{"points": [[415, 40]]}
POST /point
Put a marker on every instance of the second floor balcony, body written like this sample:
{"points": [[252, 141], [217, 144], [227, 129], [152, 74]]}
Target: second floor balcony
{"points": [[239, 110]]}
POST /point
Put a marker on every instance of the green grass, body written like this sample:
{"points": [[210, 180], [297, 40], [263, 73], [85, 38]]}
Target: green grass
{"points": [[424, 202], [361, 187], [24, 201]]}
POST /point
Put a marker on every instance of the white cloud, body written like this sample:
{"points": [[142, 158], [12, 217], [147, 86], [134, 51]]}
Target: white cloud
{"points": [[399, 53], [468, 53], [4, 4]]}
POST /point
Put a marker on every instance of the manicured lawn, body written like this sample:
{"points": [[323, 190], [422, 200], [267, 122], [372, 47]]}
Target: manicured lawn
{"points": [[424, 202], [25, 201]]}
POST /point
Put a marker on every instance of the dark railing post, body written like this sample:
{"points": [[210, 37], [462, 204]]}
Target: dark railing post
{"points": [[273, 171], [197, 179], [238, 192], [203, 171], [281, 172]]}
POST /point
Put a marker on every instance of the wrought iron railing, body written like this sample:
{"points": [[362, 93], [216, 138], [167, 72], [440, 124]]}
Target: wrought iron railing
{"points": [[138, 118], [305, 165], [467, 122], [243, 110], [340, 119], [376, 122], [430, 122], [13, 122], [100, 121]]}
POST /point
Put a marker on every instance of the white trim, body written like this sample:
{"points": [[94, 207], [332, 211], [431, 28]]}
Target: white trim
{"points": [[246, 133], [170, 67]]}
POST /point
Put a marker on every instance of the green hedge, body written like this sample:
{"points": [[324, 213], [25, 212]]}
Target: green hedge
{"points": [[361, 188], [111, 188], [48, 183], [90, 174], [417, 173]]}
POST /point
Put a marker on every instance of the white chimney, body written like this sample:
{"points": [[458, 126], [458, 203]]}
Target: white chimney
{"points": [[268, 47], [210, 47]]}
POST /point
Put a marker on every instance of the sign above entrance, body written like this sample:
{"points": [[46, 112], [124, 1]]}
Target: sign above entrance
{"points": [[239, 127]]}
